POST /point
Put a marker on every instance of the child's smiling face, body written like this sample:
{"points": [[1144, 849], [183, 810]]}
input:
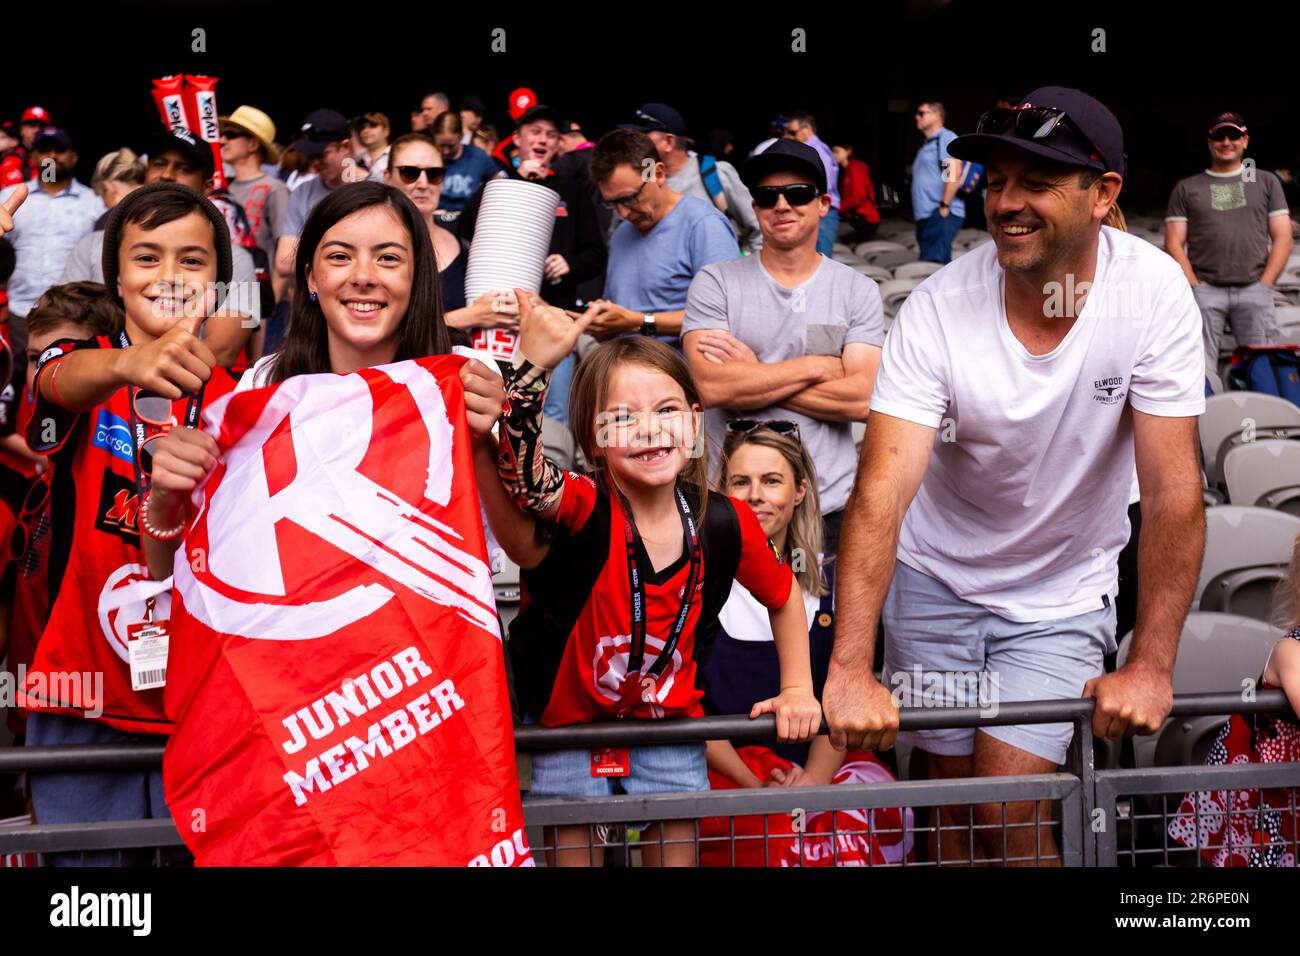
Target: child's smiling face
{"points": [[167, 273], [647, 429]]}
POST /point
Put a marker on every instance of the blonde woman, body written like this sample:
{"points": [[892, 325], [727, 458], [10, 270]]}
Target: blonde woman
{"points": [[117, 174], [765, 465]]}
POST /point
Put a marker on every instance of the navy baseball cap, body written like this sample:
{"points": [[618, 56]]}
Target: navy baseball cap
{"points": [[785, 155], [52, 135], [1091, 138], [184, 142], [319, 129], [656, 117], [540, 112]]}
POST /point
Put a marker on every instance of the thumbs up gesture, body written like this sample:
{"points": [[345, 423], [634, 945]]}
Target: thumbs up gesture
{"points": [[9, 207], [175, 364]]}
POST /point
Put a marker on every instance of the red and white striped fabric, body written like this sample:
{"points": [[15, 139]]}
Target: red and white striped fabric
{"points": [[336, 672]]}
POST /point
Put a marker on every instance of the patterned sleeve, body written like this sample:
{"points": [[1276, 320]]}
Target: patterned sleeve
{"points": [[535, 482]]}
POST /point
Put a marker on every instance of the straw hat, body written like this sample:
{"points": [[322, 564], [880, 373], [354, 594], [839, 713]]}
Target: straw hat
{"points": [[254, 121]]}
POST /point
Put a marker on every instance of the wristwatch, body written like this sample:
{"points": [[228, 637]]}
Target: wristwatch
{"points": [[943, 205], [648, 323]]}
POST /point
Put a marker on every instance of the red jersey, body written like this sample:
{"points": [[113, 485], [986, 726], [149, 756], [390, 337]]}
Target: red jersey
{"points": [[95, 547], [583, 590]]}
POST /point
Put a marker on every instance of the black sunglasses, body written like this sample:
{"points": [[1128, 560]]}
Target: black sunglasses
{"points": [[782, 426], [1035, 122], [796, 194], [235, 134], [411, 174], [1219, 135]]}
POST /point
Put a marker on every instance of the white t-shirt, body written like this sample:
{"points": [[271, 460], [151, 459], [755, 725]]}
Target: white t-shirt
{"points": [[1023, 506], [744, 619]]}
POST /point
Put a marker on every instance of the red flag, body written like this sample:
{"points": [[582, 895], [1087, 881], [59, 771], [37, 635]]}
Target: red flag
{"points": [[336, 671]]}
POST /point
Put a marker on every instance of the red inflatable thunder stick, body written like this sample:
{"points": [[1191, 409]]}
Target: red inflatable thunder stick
{"points": [[167, 93], [200, 94]]}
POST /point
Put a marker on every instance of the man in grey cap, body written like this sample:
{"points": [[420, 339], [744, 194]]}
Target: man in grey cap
{"points": [[1045, 363], [693, 175], [788, 333]]}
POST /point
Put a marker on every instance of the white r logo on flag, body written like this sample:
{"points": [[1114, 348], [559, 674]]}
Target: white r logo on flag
{"points": [[328, 434]]}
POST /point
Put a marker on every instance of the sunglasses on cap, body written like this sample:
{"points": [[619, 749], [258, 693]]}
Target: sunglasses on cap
{"points": [[1227, 133], [411, 174], [781, 426], [796, 194], [1034, 122], [654, 122]]}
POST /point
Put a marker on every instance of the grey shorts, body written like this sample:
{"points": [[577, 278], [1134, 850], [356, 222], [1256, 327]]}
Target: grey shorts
{"points": [[942, 651], [1247, 308]]}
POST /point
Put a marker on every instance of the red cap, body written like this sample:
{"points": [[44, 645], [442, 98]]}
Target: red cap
{"points": [[36, 114], [521, 101]]}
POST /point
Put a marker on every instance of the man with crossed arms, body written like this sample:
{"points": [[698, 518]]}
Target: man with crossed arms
{"points": [[1006, 557]]}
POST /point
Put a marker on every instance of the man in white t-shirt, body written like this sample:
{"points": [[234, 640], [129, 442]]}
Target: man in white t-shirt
{"points": [[1045, 362]]}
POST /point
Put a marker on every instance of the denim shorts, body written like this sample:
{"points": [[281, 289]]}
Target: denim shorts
{"points": [[668, 768], [946, 652]]}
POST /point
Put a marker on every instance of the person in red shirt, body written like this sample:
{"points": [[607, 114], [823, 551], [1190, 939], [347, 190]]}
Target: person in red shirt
{"points": [[75, 310], [167, 262], [623, 599], [857, 194]]}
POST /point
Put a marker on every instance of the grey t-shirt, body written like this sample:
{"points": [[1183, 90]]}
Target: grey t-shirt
{"points": [[1227, 222], [834, 308], [301, 202], [265, 201]]}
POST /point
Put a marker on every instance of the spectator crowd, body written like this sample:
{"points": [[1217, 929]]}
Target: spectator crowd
{"points": [[784, 458]]}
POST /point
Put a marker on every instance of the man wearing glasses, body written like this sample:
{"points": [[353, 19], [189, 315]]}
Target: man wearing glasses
{"points": [[1007, 529], [1219, 227], [936, 207], [688, 174], [788, 333], [665, 238]]}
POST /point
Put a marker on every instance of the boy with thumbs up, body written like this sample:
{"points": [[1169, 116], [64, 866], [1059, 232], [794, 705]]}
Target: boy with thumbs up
{"points": [[101, 662]]}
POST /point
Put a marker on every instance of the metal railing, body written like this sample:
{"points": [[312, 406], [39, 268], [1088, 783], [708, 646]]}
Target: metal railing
{"points": [[1091, 811]]}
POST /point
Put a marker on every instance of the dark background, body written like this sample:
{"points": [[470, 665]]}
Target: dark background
{"points": [[1166, 70]]}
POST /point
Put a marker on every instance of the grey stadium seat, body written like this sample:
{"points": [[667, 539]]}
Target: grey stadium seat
{"points": [[916, 270], [895, 291], [1230, 413], [1246, 554], [1264, 473], [1216, 654]]}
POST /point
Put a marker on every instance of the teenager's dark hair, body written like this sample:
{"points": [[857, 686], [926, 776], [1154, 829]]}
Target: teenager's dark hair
{"points": [[622, 147], [87, 304], [422, 331]]}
